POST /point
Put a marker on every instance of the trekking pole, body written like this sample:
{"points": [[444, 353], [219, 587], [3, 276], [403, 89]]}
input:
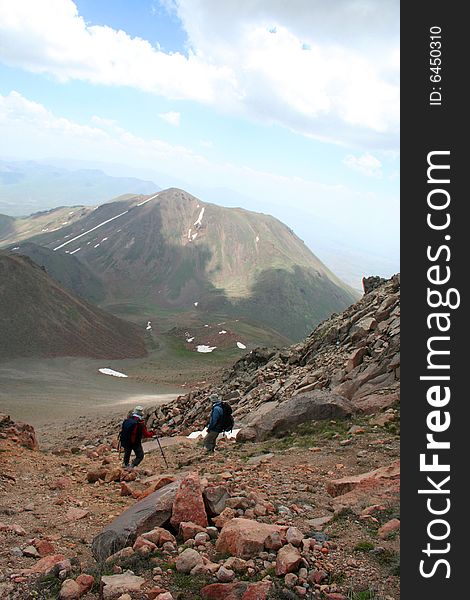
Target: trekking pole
{"points": [[161, 450]]}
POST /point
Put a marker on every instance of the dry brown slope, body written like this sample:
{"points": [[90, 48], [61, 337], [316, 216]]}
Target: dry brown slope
{"points": [[40, 318]]}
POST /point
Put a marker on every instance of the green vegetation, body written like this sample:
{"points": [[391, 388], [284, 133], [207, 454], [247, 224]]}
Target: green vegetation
{"points": [[47, 587], [313, 433], [363, 547]]}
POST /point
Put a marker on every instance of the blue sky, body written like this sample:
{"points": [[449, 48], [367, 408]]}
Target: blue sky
{"points": [[285, 108]]}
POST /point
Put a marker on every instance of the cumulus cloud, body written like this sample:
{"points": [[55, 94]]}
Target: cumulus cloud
{"points": [[173, 118], [367, 164], [325, 70]]}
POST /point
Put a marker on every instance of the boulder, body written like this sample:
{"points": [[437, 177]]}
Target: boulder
{"points": [[215, 499], [287, 560], [70, 590], [189, 503], [316, 405], [388, 528], [153, 511], [244, 538], [187, 560], [115, 585]]}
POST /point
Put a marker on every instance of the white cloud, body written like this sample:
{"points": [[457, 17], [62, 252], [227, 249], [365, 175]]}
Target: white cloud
{"points": [[326, 70], [173, 118], [366, 164]]}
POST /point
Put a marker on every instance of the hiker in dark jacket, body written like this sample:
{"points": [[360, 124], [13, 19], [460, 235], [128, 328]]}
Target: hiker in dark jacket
{"points": [[132, 431], [214, 426]]}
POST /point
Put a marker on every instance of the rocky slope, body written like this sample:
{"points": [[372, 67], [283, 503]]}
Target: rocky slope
{"points": [[172, 251], [40, 318], [349, 364], [312, 516]]}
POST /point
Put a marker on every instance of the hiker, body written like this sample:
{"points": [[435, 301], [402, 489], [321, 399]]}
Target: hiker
{"points": [[132, 431], [221, 420]]}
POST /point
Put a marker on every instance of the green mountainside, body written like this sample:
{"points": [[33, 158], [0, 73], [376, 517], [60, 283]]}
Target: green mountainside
{"points": [[172, 252]]}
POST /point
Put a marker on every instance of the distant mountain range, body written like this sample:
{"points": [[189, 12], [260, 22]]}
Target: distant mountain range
{"points": [[27, 187], [40, 318], [173, 255]]}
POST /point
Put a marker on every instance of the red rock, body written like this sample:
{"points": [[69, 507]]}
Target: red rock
{"points": [[44, 547], [70, 590], [17, 529], [257, 591], [288, 559], [244, 538], [114, 475], [61, 484], [85, 582], [341, 486], [44, 565], [20, 433], [143, 546], [96, 474], [188, 530], [74, 514], [388, 528], [189, 503], [237, 591], [125, 489], [225, 516], [335, 596], [317, 576], [159, 536]]}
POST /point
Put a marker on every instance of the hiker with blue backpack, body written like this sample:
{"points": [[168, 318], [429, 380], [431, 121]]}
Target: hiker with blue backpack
{"points": [[133, 430], [220, 420]]}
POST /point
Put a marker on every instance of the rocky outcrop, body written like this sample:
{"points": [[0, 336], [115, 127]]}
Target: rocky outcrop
{"points": [[19, 433], [317, 405], [355, 354]]}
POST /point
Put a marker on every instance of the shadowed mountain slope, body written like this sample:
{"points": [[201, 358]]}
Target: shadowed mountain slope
{"points": [[40, 318]]}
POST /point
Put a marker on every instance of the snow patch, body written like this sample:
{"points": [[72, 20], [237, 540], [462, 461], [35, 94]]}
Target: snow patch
{"points": [[257, 238], [75, 251], [205, 349], [111, 372], [15, 248], [104, 239], [199, 219], [149, 325], [241, 346], [196, 303], [194, 236], [189, 340], [222, 332], [202, 434], [96, 246]]}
